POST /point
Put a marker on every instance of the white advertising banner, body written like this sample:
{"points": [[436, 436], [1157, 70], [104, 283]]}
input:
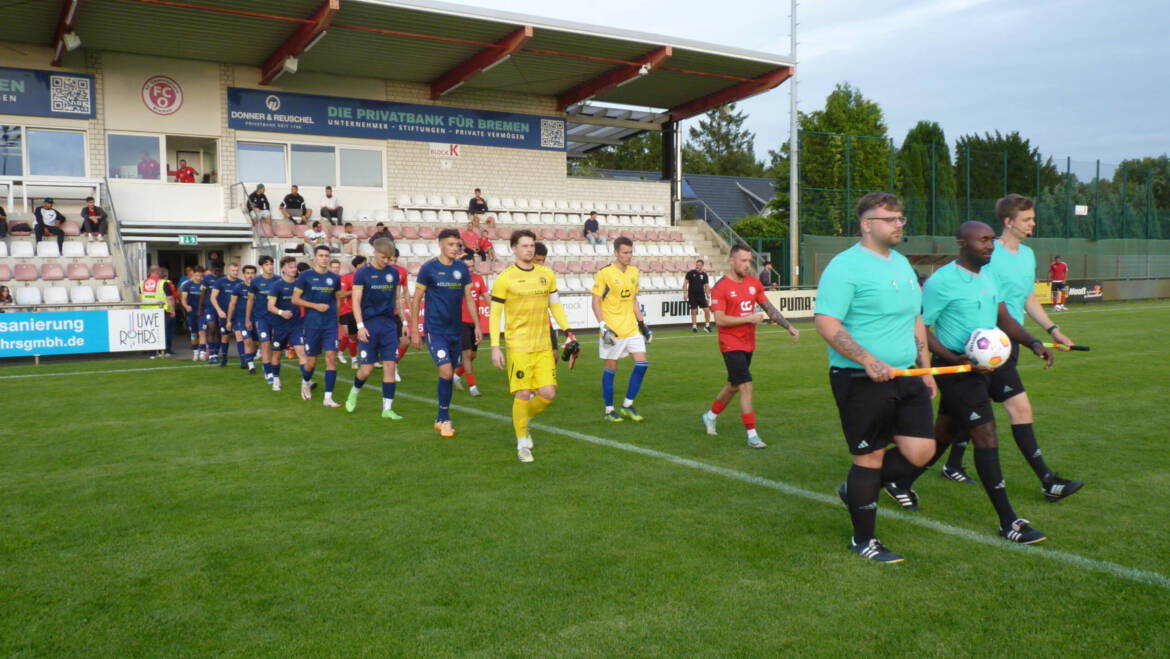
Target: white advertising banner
{"points": [[136, 329], [670, 308]]}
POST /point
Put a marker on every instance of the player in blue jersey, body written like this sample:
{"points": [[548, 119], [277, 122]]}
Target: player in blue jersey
{"points": [[190, 294], [1013, 265], [375, 312], [258, 312], [445, 283], [240, 320], [316, 292], [284, 318], [207, 318], [220, 301]]}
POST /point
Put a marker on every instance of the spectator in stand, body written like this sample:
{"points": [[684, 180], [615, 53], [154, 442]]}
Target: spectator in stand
{"points": [[349, 241], [6, 297], [50, 220], [769, 277], [184, 174], [593, 230], [3, 224], [148, 167], [316, 236], [478, 207], [293, 206], [259, 208], [93, 221], [331, 206], [381, 232], [471, 239]]}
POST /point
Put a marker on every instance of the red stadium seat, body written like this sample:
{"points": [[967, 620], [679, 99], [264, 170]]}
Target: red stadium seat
{"points": [[263, 229], [676, 236], [5, 272], [498, 267], [72, 228], [103, 271], [52, 272], [78, 271], [547, 234], [299, 230], [483, 268], [283, 230], [25, 272], [335, 231], [574, 268], [564, 234], [360, 232], [410, 233], [428, 233]]}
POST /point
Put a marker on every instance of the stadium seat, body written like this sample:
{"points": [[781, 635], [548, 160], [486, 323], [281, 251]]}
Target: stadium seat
{"points": [[366, 249], [283, 230], [493, 204], [410, 233], [25, 272], [535, 204], [98, 249], [56, 295], [413, 215], [427, 233], [546, 234], [658, 283], [103, 271], [5, 272], [381, 215], [48, 249], [549, 204], [78, 272], [446, 217], [3, 249], [299, 230], [449, 201], [72, 228], [560, 219], [507, 203], [522, 204], [81, 295], [109, 294], [460, 217], [483, 268], [430, 216], [52, 272], [498, 267], [397, 215], [547, 218], [28, 295]]}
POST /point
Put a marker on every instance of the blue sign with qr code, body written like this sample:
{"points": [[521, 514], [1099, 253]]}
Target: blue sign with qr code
{"points": [[287, 112], [46, 93]]}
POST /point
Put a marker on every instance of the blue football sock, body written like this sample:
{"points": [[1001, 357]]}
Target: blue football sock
{"points": [[306, 374], [223, 349], [240, 352], [635, 380], [358, 383], [388, 389], [330, 380], [607, 377], [446, 387]]}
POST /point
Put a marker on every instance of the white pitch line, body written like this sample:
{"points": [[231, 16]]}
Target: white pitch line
{"points": [[1115, 569], [106, 371]]}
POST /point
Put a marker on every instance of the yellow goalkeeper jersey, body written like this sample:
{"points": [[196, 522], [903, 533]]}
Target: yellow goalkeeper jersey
{"points": [[526, 296], [617, 290]]}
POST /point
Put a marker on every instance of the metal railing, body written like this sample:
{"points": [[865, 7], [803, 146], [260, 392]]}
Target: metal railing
{"points": [[117, 245], [264, 244], [723, 229]]}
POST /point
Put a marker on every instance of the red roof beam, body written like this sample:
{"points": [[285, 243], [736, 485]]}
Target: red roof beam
{"points": [[615, 77], [65, 24], [480, 62], [731, 94], [303, 39]]}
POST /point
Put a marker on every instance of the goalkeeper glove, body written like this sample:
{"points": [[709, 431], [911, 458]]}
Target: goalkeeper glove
{"points": [[607, 335], [645, 331], [571, 349]]}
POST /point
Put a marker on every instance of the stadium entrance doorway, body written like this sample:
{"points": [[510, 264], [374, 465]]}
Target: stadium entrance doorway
{"points": [[176, 262]]}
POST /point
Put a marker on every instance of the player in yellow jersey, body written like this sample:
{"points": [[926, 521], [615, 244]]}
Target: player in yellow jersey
{"points": [[522, 296], [623, 329]]}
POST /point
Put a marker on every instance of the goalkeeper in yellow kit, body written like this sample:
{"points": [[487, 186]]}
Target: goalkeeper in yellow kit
{"points": [[522, 296]]}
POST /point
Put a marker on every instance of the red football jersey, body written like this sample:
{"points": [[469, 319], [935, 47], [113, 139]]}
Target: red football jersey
{"points": [[346, 305], [479, 293], [1058, 271], [737, 299]]}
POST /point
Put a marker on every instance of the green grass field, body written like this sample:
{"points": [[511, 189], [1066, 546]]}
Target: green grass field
{"points": [[182, 509]]}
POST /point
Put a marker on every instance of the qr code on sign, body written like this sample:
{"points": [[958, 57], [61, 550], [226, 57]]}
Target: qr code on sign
{"points": [[70, 94], [552, 133]]}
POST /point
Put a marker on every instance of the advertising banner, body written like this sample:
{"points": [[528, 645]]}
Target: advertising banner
{"points": [[287, 112], [46, 93], [1043, 291], [1085, 290], [80, 332], [669, 308]]}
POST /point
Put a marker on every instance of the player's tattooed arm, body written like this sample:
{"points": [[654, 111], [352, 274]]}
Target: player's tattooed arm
{"points": [[775, 315], [833, 331], [921, 344]]}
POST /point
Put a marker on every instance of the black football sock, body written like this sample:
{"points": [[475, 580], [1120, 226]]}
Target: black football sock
{"points": [[906, 481], [862, 488], [1026, 440], [958, 450], [896, 468], [991, 475]]}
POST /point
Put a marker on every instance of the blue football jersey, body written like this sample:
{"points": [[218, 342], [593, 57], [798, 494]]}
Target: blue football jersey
{"points": [[379, 291], [260, 287], [319, 288], [444, 295], [282, 291]]}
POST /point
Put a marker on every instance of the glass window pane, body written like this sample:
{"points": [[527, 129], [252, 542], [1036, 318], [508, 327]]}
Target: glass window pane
{"points": [[55, 153], [11, 162], [361, 167], [313, 165], [261, 163], [134, 156]]}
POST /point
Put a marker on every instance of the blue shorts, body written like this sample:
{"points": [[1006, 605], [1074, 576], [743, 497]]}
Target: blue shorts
{"points": [[383, 343], [262, 330], [205, 321], [317, 341], [298, 336], [445, 348], [283, 336], [241, 325]]}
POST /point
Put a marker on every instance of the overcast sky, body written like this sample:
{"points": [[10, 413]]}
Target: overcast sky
{"points": [[1080, 78]]}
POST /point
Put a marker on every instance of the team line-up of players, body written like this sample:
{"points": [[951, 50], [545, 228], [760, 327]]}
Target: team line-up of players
{"points": [[870, 310]]}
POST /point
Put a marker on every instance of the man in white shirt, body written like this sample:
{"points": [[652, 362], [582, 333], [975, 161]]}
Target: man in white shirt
{"points": [[331, 208], [316, 236], [349, 241]]}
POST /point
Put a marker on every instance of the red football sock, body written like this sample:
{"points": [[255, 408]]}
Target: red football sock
{"points": [[401, 352], [353, 348], [459, 371], [717, 407], [343, 342], [471, 379], [749, 420]]}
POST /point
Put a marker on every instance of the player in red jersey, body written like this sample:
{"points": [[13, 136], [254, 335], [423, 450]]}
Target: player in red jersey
{"points": [[345, 315], [733, 300], [479, 293], [1058, 276]]}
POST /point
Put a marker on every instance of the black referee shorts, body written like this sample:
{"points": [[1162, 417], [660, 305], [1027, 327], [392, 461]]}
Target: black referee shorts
{"points": [[698, 301], [873, 413], [965, 397], [1004, 382], [738, 364]]}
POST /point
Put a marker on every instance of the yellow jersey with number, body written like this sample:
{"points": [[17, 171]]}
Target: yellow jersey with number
{"points": [[526, 296], [617, 289]]}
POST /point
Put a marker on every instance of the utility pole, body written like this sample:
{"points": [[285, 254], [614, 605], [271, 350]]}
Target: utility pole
{"points": [[793, 168]]}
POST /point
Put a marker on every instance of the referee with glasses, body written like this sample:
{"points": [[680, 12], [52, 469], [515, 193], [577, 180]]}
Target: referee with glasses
{"points": [[868, 311]]}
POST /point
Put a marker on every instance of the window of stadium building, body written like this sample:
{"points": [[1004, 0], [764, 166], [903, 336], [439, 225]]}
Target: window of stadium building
{"points": [[261, 163], [315, 165], [11, 151], [55, 152], [361, 168], [134, 157]]}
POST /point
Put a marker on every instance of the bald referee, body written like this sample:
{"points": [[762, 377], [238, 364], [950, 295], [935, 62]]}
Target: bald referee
{"points": [[868, 304]]}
